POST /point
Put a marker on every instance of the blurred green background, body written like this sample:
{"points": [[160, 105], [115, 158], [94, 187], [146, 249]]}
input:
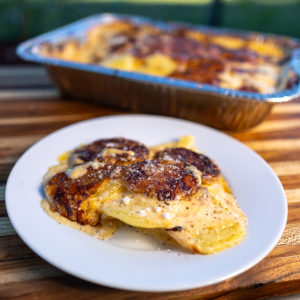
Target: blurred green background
{"points": [[22, 19]]}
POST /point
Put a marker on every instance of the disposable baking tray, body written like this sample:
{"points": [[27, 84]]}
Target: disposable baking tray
{"points": [[215, 106]]}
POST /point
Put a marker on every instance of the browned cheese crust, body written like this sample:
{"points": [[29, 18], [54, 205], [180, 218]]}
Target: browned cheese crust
{"points": [[164, 180], [130, 151], [66, 194], [203, 163]]}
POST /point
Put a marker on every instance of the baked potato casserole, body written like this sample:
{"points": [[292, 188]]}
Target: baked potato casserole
{"points": [[228, 61]]}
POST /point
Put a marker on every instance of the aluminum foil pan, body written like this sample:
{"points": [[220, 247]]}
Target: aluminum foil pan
{"points": [[214, 106]]}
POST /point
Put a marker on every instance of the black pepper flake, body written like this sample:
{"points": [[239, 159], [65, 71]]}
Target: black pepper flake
{"points": [[177, 228]]}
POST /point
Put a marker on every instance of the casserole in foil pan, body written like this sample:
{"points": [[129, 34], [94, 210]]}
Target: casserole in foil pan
{"points": [[123, 77]]}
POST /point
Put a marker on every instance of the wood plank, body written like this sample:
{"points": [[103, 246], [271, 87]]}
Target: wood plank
{"points": [[44, 119], [26, 94], [289, 108], [27, 271], [33, 129], [6, 228], [54, 106], [294, 213], [5, 170], [15, 71], [283, 155], [50, 107], [252, 135], [68, 287], [291, 236], [290, 181], [3, 212], [23, 83], [274, 145], [13, 250], [2, 192], [293, 195], [286, 167], [18, 142], [278, 125], [282, 249]]}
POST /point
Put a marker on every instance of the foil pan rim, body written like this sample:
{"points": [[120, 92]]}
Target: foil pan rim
{"points": [[28, 50]]}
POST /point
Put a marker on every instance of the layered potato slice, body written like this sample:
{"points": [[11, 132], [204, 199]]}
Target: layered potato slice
{"points": [[214, 221], [153, 194], [206, 228], [212, 179]]}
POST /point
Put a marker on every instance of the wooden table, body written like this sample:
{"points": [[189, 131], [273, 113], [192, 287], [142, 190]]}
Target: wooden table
{"points": [[30, 108]]}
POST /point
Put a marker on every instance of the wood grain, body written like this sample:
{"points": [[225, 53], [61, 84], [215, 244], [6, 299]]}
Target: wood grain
{"points": [[28, 112]]}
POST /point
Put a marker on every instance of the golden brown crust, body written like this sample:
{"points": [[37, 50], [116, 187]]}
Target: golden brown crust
{"points": [[66, 194], [164, 180], [203, 163], [130, 151], [205, 70]]}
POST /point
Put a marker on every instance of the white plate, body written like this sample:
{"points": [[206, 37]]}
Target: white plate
{"points": [[132, 261]]}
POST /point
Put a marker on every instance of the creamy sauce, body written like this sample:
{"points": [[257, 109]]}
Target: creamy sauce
{"points": [[140, 211], [104, 231], [81, 170], [114, 152], [195, 172]]}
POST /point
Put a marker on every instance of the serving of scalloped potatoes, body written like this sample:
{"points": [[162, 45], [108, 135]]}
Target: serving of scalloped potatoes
{"points": [[169, 188]]}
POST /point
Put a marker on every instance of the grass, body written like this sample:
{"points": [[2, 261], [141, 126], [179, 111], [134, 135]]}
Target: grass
{"points": [[21, 19]]}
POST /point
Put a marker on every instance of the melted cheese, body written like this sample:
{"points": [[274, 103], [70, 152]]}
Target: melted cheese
{"points": [[208, 227], [81, 170], [141, 211], [113, 152], [103, 231], [156, 64], [266, 48], [125, 62], [229, 42]]}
